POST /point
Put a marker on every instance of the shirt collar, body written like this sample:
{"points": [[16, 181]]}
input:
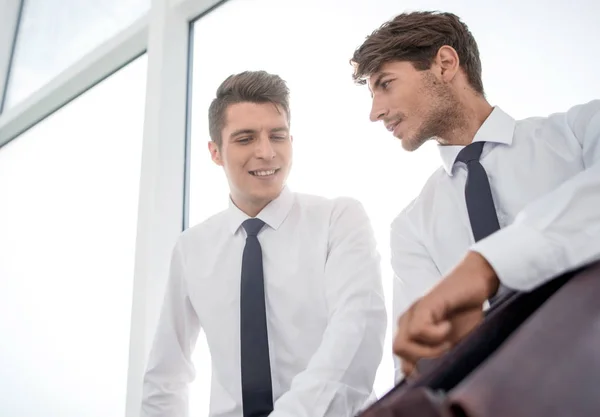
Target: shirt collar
{"points": [[273, 214], [499, 127]]}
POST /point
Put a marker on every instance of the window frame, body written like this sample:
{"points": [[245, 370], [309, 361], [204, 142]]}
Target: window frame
{"points": [[164, 34]]}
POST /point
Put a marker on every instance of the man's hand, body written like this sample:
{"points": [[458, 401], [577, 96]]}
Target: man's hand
{"points": [[450, 311]]}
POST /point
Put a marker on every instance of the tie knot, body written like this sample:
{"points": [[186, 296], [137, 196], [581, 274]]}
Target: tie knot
{"points": [[471, 152], [253, 226]]}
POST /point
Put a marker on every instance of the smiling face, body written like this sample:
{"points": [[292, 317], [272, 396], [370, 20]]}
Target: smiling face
{"points": [[255, 153], [413, 104]]}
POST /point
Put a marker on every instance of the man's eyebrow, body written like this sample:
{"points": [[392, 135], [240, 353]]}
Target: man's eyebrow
{"points": [[378, 79], [246, 131], [242, 132]]}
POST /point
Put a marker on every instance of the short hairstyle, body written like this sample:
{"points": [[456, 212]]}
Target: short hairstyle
{"points": [[416, 37], [247, 86]]}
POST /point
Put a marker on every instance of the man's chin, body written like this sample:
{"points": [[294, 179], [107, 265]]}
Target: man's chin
{"points": [[409, 146]]}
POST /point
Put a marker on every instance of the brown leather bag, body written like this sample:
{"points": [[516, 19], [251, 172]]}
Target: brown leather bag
{"points": [[535, 353]]}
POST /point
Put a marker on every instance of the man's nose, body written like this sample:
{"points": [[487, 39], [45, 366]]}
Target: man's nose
{"points": [[264, 148], [378, 110]]}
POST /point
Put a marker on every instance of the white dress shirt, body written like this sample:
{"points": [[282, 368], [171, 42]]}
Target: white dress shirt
{"points": [[326, 315], [545, 179]]}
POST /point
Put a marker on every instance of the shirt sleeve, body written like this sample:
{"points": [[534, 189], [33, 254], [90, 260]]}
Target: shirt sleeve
{"points": [[170, 369], [560, 231], [415, 273], [339, 378]]}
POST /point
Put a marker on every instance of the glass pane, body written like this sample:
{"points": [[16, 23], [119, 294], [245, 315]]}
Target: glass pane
{"points": [[55, 34], [337, 150], [69, 192]]}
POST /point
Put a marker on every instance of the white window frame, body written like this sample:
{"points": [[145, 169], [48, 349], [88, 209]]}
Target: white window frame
{"points": [[10, 11], [164, 34]]}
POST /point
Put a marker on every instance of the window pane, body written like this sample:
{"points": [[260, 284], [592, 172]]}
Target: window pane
{"points": [[69, 192], [55, 34], [337, 151]]}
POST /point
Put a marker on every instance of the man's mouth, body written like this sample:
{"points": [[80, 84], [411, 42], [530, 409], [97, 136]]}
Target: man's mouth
{"points": [[264, 172], [392, 126]]}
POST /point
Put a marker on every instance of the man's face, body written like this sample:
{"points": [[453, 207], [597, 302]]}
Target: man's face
{"points": [[415, 105], [256, 153]]}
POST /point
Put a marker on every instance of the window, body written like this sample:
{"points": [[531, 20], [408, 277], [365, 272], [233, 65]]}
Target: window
{"points": [[337, 151], [68, 219], [54, 34]]}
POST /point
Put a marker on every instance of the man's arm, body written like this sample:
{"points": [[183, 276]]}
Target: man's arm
{"points": [[339, 377], [557, 233], [415, 273], [170, 369], [561, 230]]}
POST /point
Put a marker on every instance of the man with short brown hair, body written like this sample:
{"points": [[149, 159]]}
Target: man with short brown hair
{"points": [[515, 203], [286, 286]]}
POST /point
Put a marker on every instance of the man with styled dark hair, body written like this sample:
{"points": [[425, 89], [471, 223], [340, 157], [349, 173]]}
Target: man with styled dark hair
{"points": [[514, 204], [286, 286], [250, 86]]}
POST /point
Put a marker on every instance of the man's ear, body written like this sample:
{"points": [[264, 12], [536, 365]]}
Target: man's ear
{"points": [[215, 153], [448, 62]]}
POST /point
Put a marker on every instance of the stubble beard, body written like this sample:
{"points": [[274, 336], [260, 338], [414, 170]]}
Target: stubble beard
{"points": [[445, 115]]}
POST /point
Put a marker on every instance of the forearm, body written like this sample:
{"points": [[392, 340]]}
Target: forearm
{"points": [[170, 370], [555, 234], [339, 378], [164, 399], [415, 273]]}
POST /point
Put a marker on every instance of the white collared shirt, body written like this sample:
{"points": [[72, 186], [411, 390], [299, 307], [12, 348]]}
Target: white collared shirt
{"points": [[545, 179], [326, 314]]}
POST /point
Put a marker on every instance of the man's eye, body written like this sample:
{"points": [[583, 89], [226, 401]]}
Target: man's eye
{"points": [[244, 140], [385, 84]]}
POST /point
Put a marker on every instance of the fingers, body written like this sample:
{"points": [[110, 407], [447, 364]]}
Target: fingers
{"points": [[423, 331], [426, 341], [411, 351], [436, 322], [427, 325]]}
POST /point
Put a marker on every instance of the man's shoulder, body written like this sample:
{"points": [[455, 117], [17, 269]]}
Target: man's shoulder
{"points": [[319, 202], [570, 114], [420, 206], [557, 129], [338, 211], [205, 230]]}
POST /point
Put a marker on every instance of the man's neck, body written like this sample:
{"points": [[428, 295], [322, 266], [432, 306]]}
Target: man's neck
{"points": [[249, 208], [476, 111]]}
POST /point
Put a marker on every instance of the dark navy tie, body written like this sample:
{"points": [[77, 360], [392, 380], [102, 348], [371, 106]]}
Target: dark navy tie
{"points": [[257, 395], [480, 203], [478, 194]]}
